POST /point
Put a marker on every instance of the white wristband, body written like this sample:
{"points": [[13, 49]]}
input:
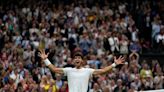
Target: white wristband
{"points": [[47, 62], [114, 65]]}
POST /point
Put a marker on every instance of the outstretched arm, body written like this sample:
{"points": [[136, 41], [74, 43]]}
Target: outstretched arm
{"points": [[45, 59], [118, 61]]}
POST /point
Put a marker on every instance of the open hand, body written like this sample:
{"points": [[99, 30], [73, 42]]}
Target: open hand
{"points": [[43, 55], [119, 61]]}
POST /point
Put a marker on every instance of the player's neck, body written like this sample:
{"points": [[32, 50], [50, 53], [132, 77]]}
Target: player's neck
{"points": [[78, 67]]}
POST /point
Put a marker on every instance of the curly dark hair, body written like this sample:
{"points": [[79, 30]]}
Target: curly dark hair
{"points": [[78, 53]]}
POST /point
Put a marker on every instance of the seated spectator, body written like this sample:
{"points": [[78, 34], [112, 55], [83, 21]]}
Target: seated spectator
{"points": [[59, 82], [146, 72], [120, 86], [136, 84], [95, 88], [44, 84], [53, 87], [135, 47]]}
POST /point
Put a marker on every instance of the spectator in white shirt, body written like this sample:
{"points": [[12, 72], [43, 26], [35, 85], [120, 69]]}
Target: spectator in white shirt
{"points": [[160, 36]]}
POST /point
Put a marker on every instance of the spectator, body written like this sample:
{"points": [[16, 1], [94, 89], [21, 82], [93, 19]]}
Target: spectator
{"points": [[59, 82], [136, 84], [145, 71], [113, 41], [124, 45], [44, 84], [95, 88], [160, 39], [85, 43], [53, 87], [120, 86], [135, 47]]}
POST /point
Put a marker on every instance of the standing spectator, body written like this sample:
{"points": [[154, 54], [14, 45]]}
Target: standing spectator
{"points": [[27, 55], [134, 33], [93, 61], [156, 24], [124, 45], [85, 43], [160, 40], [134, 57], [114, 42]]}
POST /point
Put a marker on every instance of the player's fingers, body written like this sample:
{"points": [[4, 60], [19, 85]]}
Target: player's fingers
{"points": [[120, 57], [39, 54], [114, 57], [48, 53], [123, 58], [41, 51]]}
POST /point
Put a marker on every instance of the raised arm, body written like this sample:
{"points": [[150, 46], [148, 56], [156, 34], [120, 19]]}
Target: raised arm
{"points": [[45, 59], [132, 54], [118, 61]]}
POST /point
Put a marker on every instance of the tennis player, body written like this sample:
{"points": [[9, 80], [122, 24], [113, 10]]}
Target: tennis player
{"points": [[78, 77]]}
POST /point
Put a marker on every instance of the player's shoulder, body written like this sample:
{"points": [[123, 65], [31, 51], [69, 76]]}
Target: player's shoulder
{"points": [[88, 68], [68, 68]]}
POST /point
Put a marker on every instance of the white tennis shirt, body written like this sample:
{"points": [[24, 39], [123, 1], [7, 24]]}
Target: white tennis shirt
{"points": [[78, 78]]}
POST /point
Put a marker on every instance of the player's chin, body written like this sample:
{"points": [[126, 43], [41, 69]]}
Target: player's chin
{"points": [[77, 64]]}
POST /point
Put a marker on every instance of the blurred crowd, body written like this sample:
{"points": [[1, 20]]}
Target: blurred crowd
{"points": [[101, 29]]}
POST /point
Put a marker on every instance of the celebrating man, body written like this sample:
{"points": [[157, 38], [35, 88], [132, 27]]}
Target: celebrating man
{"points": [[78, 77]]}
